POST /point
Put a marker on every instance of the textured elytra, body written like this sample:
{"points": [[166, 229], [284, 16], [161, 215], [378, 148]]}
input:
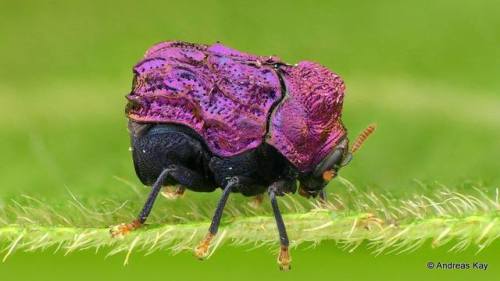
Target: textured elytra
{"points": [[230, 98], [223, 94]]}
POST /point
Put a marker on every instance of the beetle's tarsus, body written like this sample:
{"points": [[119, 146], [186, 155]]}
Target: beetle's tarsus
{"points": [[284, 258], [201, 251], [173, 192], [124, 228]]}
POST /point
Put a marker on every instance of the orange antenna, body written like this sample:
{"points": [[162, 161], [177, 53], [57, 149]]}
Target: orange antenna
{"points": [[362, 137]]}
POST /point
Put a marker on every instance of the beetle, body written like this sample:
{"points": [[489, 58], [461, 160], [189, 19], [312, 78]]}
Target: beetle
{"points": [[208, 116]]}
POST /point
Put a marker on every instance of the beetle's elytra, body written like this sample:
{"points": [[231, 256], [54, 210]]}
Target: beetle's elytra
{"points": [[207, 116]]}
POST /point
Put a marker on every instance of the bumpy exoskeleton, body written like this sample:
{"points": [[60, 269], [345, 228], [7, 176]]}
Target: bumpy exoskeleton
{"points": [[203, 117]]}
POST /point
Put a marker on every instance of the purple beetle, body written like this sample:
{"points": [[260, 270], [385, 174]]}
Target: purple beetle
{"points": [[202, 117]]}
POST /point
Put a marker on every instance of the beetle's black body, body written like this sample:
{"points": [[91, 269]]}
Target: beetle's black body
{"points": [[158, 146]]}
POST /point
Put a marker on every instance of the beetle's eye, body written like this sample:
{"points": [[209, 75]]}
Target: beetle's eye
{"points": [[332, 160], [339, 160]]}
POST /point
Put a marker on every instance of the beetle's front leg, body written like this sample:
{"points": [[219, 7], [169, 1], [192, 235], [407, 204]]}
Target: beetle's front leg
{"points": [[323, 198], [320, 196], [278, 189]]}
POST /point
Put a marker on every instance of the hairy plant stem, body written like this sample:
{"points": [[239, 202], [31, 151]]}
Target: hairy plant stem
{"points": [[385, 224]]}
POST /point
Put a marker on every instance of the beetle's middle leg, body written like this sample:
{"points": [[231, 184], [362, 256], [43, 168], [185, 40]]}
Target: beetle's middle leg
{"points": [[201, 251]]}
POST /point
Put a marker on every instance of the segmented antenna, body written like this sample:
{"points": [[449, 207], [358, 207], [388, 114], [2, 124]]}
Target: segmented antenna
{"points": [[362, 137]]}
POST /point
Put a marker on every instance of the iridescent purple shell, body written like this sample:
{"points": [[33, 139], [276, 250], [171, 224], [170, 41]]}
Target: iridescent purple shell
{"points": [[230, 98], [217, 91], [306, 125]]}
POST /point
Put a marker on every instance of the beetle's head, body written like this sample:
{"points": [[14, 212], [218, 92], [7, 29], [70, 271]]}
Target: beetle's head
{"points": [[340, 156]]}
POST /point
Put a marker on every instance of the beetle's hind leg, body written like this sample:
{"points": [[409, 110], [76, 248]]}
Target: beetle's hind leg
{"points": [[125, 228], [180, 174]]}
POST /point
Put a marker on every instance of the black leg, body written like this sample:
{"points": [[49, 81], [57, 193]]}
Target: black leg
{"points": [[201, 250], [323, 197], [284, 256], [146, 210], [182, 175], [125, 228], [192, 179]]}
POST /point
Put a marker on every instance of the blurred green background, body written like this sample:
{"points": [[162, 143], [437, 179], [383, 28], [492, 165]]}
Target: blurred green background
{"points": [[426, 71]]}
